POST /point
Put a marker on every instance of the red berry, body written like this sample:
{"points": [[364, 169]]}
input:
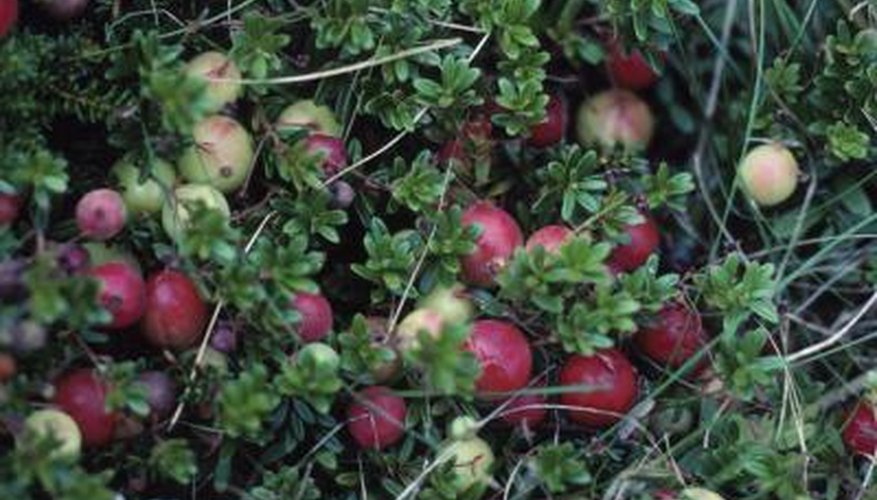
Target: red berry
{"points": [[175, 312], [8, 367], [64, 10], [673, 337], [101, 214], [376, 418], [644, 241], [8, 15], [629, 70], [504, 355], [473, 141], [608, 385], [665, 494], [316, 316], [10, 206], [860, 433], [122, 292], [526, 409], [550, 131], [333, 151], [82, 394], [551, 238], [499, 237], [161, 393]]}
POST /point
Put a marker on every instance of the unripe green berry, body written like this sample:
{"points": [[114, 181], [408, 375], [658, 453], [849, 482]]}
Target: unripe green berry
{"points": [[221, 156], [175, 213], [615, 117], [216, 65], [769, 174]]}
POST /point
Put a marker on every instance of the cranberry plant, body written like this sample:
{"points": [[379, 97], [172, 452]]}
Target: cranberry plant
{"points": [[437, 249]]}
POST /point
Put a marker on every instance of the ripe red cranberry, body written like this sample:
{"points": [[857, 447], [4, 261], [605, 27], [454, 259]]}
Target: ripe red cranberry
{"points": [[376, 418], [500, 236], [161, 393], [175, 312], [551, 238], [122, 292], [63, 10], [629, 70], [474, 140], [10, 207], [8, 15], [316, 316], [101, 214], [860, 433], [550, 131], [608, 385], [8, 367], [83, 395], [526, 409], [644, 241], [504, 355], [673, 337], [333, 151]]}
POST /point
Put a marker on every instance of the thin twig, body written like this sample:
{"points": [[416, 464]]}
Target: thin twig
{"points": [[199, 358], [807, 351], [350, 68], [709, 111]]}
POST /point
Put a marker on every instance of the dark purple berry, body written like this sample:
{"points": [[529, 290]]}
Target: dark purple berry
{"points": [[225, 338]]}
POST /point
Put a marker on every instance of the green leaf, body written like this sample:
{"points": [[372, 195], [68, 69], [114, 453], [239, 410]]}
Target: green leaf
{"points": [[174, 460]]}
